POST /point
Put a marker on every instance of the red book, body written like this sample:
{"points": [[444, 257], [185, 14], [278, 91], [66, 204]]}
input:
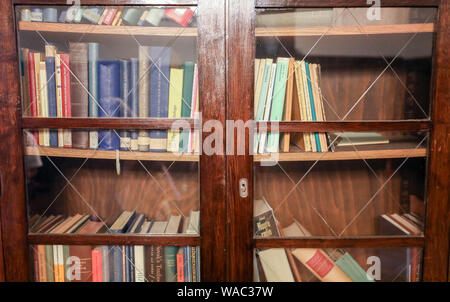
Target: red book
{"points": [[65, 94], [110, 16], [180, 267], [94, 266], [33, 97], [181, 16], [97, 275]]}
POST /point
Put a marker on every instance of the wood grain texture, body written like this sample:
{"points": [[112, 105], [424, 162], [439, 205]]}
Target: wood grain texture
{"points": [[437, 248], [213, 199], [344, 30], [113, 239], [108, 30], [12, 201], [2, 260], [240, 82], [110, 2], [341, 3], [343, 242], [103, 154], [101, 123]]}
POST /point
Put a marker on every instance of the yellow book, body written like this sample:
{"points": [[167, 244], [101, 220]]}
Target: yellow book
{"points": [[175, 97], [302, 140], [286, 137], [259, 81], [117, 17]]}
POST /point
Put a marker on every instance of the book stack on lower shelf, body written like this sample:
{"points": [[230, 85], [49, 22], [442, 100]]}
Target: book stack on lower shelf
{"points": [[111, 16], [127, 263], [80, 84]]}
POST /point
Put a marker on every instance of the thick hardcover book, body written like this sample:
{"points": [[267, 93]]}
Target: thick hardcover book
{"points": [[154, 16], [50, 14], [131, 16], [92, 15], [125, 108], [59, 109], [279, 93], [93, 92], [65, 95], [181, 16], [133, 99], [159, 93], [170, 252], [51, 89], [79, 90], [109, 101], [188, 80], [143, 82]]}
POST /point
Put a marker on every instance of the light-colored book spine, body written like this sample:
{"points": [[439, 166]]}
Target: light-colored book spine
{"points": [[44, 99], [143, 98], [279, 94], [318, 104], [193, 105], [155, 16], [308, 105], [302, 103], [93, 91], [139, 259], [59, 109], [175, 96], [37, 75], [262, 99], [267, 107], [288, 104], [259, 83]]}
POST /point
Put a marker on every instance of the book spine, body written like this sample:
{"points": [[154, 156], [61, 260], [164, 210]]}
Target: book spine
{"points": [[66, 255], [109, 18], [175, 95], [269, 100], [131, 16], [44, 100], [36, 272], [170, 263], [105, 263], [49, 263], [311, 99], [79, 90], [93, 91], [124, 102], [33, 96], [65, 95], [133, 98], [126, 261], [142, 18], [180, 267], [144, 64], [59, 109], [55, 264], [193, 106], [37, 71], [50, 14], [94, 266], [51, 90], [159, 94], [42, 263], [109, 101], [188, 79], [186, 270], [180, 16], [139, 263], [194, 263]]}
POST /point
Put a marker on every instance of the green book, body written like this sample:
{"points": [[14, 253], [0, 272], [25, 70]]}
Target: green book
{"points": [[352, 268], [186, 102], [49, 263], [279, 93], [170, 263], [131, 16]]}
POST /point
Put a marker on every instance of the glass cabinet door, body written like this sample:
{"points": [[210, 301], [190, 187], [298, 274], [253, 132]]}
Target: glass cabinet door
{"points": [[115, 176], [368, 178]]}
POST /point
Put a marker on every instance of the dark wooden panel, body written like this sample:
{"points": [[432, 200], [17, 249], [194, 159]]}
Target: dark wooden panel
{"points": [[2, 262], [344, 242], [101, 123], [212, 66], [12, 201], [240, 75], [417, 125], [110, 2], [341, 3], [111, 239], [438, 220]]}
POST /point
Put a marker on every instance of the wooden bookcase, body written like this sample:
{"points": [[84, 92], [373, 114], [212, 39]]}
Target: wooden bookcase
{"points": [[226, 36]]}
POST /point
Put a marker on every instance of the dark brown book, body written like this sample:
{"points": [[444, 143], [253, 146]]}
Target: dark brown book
{"points": [[154, 266], [79, 90], [84, 252]]}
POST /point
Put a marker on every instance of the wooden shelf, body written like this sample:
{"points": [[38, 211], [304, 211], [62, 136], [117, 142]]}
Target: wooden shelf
{"points": [[114, 239], [344, 155], [102, 154], [259, 32]]}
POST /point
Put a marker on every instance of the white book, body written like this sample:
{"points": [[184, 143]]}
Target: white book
{"points": [[194, 223], [263, 135], [275, 265]]}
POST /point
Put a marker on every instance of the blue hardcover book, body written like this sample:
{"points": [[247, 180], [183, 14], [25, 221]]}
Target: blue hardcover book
{"points": [[93, 91], [313, 110], [51, 89], [109, 101], [134, 100], [159, 94], [62, 16], [185, 263], [125, 109], [50, 14]]}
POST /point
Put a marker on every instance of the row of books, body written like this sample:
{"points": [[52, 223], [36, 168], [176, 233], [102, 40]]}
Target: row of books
{"points": [[113, 16], [395, 224], [81, 263], [288, 90], [279, 265], [334, 265], [79, 84]]}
